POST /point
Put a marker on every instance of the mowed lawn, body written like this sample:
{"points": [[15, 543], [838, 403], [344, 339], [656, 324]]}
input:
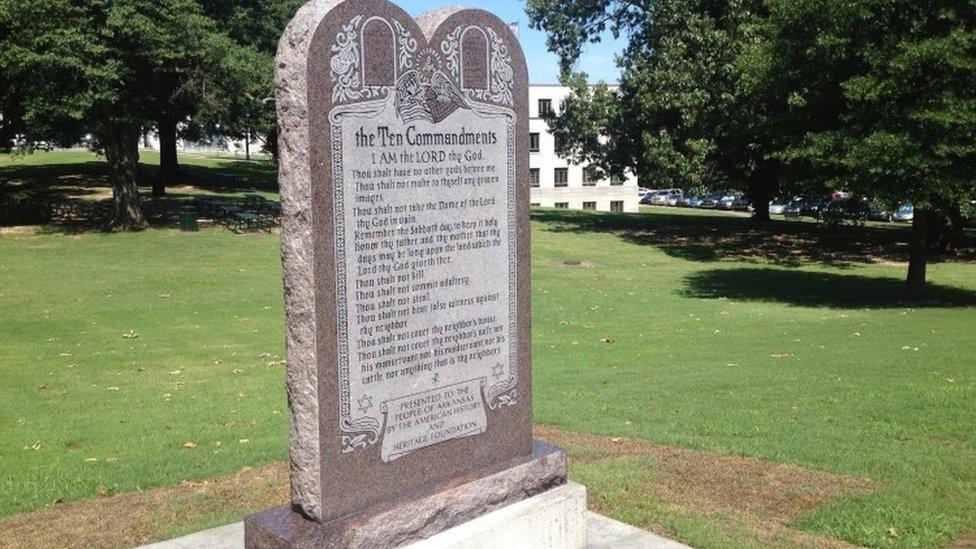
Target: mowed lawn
{"points": [[135, 361]]}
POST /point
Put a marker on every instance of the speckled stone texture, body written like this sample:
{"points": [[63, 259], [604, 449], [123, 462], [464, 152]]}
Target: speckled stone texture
{"points": [[291, 81], [406, 520], [330, 483]]}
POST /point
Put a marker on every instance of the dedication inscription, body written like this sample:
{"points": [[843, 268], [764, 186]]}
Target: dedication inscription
{"points": [[424, 183]]}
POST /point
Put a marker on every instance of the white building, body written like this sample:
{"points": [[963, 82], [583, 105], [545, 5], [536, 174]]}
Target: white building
{"points": [[556, 183]]}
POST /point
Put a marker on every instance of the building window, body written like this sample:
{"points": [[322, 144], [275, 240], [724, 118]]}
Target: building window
{"points": [[533, 177], [617, 206], [545, 107], [562, 205], [557, 143], [590, 176], [534, 142], [616, 180], [589, 205], [561, 177]]}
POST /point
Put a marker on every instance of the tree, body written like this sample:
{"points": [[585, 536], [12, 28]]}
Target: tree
{"points": [[242, 103], [890, 86], [683, 115], [96, 65], [228, 91]]}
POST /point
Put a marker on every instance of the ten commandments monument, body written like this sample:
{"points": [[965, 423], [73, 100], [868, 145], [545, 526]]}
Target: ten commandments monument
{"points": [[404, 180]]}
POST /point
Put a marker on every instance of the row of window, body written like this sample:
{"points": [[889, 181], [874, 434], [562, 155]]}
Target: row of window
{"points": [[561, 178], [535, 142], [616, 206]]}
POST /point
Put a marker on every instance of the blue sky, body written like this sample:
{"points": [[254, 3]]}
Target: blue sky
{"points": [[597, 60]]}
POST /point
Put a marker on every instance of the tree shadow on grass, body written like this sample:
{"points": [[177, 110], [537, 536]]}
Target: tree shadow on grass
{"points": [[817, 289], [79, 194], [700, 237]]}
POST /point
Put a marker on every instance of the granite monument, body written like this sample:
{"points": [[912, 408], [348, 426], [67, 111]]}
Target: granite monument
{"points": [[404, 180]]}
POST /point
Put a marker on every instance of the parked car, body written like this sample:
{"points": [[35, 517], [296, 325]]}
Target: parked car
{"points": [[777, 207], [876, 213], [21, 143], [641, 191], [673, 200], [841, 210], [904, 214], [813, 207], [794, 209], [710, 202], [689, 201], [727, 202], [647, 198], [742, 204], [662, 197]]}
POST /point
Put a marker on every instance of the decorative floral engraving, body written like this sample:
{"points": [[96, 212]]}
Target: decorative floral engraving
{"points": [[347, 62], [501, 71], [502, 76], [451, 48], [362, 432], [408, 46]]}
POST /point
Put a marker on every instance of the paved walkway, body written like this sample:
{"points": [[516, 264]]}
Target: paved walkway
{"points": [[603, 533]]}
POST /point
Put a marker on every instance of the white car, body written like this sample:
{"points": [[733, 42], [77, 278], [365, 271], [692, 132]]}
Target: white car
{"points": [[727, 202], [777, 207], [905, 214]]}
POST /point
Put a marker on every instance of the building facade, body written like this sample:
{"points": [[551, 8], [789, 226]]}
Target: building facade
{"points": [[557, 183]]}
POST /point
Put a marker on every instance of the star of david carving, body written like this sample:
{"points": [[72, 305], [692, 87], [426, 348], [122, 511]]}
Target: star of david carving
{"points": [[365, 403]]}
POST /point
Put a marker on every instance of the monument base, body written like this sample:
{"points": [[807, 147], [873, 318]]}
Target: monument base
{"points": [[555, 519], [414, 519]]}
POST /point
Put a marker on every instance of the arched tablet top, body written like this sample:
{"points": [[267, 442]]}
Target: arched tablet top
{"points": [[475, 59], [378, 45]]}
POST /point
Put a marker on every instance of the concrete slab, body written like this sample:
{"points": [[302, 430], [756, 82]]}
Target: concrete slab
{"points": [[602, 532], [224, 537], [606, 533]]}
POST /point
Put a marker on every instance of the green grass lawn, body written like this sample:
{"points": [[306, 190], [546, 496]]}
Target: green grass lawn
{"points": [[117, 350]]}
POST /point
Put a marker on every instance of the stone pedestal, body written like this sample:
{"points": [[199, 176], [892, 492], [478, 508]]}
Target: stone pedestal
{"points": [[522, 491], [553, 519]]}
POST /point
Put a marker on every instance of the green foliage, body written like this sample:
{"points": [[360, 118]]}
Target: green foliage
{"points": [[243, 99], [680, 82], [892, 83], [79, 65]]}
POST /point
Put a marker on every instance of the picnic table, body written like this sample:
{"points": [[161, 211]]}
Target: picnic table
{"points": [[226, 211], [250, 221]]}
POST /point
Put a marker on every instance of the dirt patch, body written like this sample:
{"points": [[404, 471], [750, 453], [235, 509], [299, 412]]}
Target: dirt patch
{"points": [[966, 542], [751, 497], [25, 230], [760, 496], [133, 519]]}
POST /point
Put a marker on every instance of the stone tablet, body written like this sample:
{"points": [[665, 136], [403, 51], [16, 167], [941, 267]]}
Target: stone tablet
{"points": [[404, 179]]}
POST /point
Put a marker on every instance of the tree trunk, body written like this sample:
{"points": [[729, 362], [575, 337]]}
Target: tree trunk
{"points": [[122, 152], [919, 253], [759, 193], [247, 145], [169, 165], [271, 143]]}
